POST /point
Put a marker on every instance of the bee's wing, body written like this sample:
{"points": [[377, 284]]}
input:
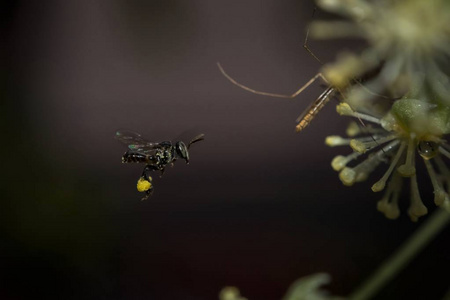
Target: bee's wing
{"points": [[134, 141]]}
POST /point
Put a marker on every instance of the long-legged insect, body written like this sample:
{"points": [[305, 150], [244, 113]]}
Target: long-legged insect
{"points": [[316, 106]]}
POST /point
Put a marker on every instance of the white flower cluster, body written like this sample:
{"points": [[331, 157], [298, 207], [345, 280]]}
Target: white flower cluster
{"points": [[408, 44], [410, 125]]}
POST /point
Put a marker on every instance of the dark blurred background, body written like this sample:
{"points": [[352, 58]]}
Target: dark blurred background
{"points": [[258, 207]]}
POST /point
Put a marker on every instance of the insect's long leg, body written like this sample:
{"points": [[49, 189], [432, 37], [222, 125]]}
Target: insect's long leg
{"points": [[148, 194], [305, 44], [319, 75], [145, 173], [358, 82], [309, 113]]}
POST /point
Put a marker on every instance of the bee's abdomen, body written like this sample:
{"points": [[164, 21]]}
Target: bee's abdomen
{"points": [[134, 157]]}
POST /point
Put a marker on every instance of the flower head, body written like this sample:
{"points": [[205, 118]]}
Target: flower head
{"points": [[410, 126], [408, 42], [407, 59]]}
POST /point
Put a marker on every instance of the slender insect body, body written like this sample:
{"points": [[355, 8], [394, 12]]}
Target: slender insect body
{"points": [[309, 114]]}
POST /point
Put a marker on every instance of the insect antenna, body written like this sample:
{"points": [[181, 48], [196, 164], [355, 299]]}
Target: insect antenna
{"points": [[196, 139]]}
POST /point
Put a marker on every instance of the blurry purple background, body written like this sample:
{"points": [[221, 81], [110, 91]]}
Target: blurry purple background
{"points": [[259, 205]]}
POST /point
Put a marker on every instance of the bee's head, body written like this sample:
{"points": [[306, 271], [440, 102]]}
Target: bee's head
{"points": [[182, 151]]}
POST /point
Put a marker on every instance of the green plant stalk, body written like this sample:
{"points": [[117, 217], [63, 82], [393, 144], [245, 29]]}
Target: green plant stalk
{"points": [[400, 259]]}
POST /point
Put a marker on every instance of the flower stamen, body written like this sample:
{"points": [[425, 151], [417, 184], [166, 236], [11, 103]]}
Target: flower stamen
{"points": [[416, 208], [354, 129], [444, 170], [440, 196], [336, 140], [388, 205], [345, 110], [340, 161], [444, 152], [380, 184], [349, 176], [408, 169], [361, 145]]}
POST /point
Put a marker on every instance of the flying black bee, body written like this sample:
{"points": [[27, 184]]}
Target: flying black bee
{"points": [[156, 155]]}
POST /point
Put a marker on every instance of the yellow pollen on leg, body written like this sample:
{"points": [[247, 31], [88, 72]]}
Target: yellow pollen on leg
{"points": [[144, 185]]}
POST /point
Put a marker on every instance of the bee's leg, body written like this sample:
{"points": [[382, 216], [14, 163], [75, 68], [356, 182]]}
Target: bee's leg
{"points": [[148, 194], [162, 172], [147, 169]]}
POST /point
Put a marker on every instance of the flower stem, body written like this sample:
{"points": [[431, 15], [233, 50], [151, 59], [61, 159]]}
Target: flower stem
{"points": [[400, 259]]}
